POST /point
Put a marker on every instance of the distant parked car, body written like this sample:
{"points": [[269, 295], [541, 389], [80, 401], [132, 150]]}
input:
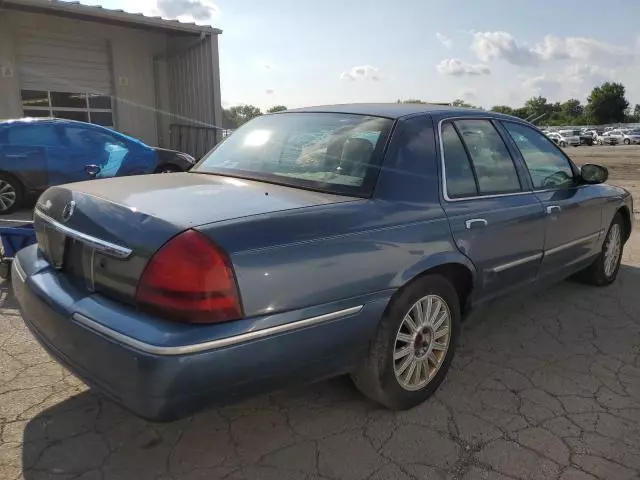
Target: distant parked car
{"points": [[311, 243], [607, 139], [618, 134], [564, 138], [631, 137], [588, 137], [39, 153]]}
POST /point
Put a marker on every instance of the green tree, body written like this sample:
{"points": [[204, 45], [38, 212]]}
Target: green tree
{"points": [[571, 108], [607, 103], [277, 108], [235, 116], [458, 102], [538, 107], [507, 110], [636, 111]]}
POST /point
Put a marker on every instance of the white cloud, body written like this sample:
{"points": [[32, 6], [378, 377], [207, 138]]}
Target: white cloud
{"points": [[541, 85], [504, 46], [468, 94], [457, 67], [187, 10], [444, 40], [365, 72], [269, 91], [581, 48], [586, 73]]}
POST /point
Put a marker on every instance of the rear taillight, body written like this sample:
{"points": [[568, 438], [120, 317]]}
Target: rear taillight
{"points": [[191, 280]]}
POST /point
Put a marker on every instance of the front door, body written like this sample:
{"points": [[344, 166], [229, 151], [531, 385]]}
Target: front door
{"points": [[495, 219], [90, 150], [573, 211]]}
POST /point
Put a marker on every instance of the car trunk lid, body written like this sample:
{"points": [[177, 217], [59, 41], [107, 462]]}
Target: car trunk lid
{"points": [[101, 234]]}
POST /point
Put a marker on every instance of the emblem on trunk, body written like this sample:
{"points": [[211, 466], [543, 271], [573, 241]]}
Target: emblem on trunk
{"points": [[68, 210]]}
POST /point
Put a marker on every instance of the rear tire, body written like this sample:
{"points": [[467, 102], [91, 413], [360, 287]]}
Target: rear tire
{"points": [[404, 365], [11, 193], [604, 270]]}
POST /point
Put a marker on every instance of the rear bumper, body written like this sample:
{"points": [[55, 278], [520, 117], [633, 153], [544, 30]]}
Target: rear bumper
{"points": [[165, 381]]}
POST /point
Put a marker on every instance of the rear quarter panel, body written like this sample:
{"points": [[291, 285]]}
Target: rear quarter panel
{"points": [[331, 252]]}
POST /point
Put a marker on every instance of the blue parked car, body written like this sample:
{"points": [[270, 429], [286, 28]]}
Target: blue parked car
{"points": [[38, 153], [310, 243]]}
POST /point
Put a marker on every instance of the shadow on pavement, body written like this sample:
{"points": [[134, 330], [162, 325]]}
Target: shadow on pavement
{"points": [[540, 345]]}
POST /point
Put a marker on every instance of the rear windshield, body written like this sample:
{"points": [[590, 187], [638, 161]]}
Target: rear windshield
{"points": [[337, 153]]}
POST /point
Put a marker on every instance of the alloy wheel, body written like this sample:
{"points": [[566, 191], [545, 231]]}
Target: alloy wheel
{"points": [[7, 195], [421, 342], [612, 249]]}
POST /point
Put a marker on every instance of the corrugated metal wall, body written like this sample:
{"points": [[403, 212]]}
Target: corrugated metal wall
{"points": [[194, 86]]}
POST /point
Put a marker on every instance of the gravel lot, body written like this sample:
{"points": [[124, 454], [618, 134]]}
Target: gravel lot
{"points": [[543, 387]]}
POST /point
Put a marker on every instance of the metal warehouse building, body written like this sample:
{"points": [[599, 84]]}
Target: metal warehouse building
{"points": [[154, 79]]}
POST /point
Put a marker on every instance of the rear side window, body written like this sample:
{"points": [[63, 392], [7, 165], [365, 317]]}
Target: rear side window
{"points": [[493, 165], [460, 178], [32, 135], [477, 160]]}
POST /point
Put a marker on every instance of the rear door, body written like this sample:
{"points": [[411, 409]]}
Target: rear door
{"points": [[495, 219], [573, 211]]}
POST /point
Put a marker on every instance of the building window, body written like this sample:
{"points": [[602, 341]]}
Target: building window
{"points": [[85, 107]]}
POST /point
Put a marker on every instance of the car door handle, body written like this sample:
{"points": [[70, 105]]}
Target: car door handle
{"points": [[475, 223], [551, 209]]}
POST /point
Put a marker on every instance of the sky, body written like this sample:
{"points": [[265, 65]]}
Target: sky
{"points": [[487, 52]]}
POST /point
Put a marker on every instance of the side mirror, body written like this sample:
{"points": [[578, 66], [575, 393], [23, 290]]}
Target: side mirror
{"points": [[92, 170], [593, 174]]}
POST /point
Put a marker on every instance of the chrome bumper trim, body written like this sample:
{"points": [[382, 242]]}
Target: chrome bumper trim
{"points": [[213, 344], [19, 270], [97, 243]]}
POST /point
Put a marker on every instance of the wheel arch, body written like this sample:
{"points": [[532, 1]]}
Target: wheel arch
{"points": [[21, 183], [626, 217], [456, 268]]}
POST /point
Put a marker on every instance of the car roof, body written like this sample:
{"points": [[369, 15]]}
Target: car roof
{"points": [[34, 120], [392, 110]]}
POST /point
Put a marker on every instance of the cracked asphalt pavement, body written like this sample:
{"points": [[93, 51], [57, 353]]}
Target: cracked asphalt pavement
{"points": [[545, 386]]}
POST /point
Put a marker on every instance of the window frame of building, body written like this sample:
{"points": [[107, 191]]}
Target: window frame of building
{"points": [[50, 109]]}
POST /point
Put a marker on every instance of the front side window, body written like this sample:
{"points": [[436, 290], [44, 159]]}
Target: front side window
{"points": [[493, 165], [548, 166], [339, 153], [99, 148]]}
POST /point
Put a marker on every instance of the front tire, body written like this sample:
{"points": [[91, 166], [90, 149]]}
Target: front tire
{"points": [[11, 194], [563, 144], [627, 141], [414, 345], [604, 270]]}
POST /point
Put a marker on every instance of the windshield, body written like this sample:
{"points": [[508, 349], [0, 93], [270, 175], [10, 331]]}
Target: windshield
{"points": [[337, 153]]}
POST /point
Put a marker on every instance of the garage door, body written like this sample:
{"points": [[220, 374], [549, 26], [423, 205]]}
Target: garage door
{"points": [[63, 63]]}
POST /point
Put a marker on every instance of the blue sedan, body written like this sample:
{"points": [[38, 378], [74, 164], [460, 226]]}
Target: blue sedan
{"points": [[38, 153], [310, 243]]}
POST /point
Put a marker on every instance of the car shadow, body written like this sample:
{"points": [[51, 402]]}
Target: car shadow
{"points": [[87, 436]]}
